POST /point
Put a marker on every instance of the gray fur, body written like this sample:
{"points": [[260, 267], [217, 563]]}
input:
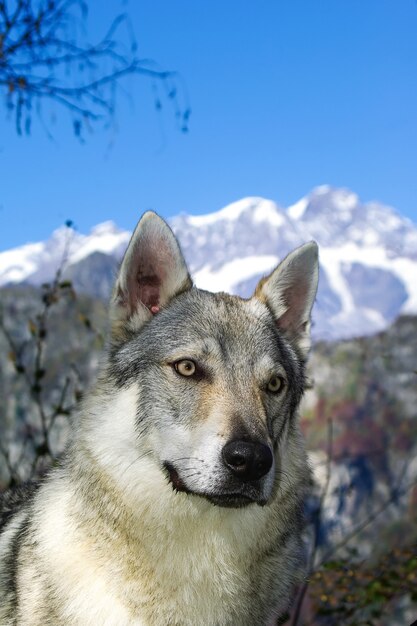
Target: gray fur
{"points": [[143, 523]]}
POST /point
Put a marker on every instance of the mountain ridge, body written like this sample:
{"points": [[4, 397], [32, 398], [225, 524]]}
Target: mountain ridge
{"points": [[368, 255]]}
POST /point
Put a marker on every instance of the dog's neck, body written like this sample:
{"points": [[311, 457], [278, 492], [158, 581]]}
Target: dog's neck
{"points": [[161, 541]]}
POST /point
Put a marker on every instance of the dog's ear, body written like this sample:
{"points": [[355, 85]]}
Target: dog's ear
{"points": [[153, 271], [289, 292]]}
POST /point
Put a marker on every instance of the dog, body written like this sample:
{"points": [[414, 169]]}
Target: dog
{"points": [[179, 501]]}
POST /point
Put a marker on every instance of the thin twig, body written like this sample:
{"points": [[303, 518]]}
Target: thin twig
{"points": [[317, 526], [370, 518]]}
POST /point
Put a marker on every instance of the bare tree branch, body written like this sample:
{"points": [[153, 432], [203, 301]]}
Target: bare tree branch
{"points": [[30, 362], [43, 58]]}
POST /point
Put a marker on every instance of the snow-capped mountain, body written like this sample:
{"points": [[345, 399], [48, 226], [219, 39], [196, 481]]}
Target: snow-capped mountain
{"points": [[335, 216], [37, 262], [368, 255]]}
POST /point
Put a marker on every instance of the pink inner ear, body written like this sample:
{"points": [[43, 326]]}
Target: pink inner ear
{"points": [[150, 260], [149, 289], [145, 287], [295, 299]]}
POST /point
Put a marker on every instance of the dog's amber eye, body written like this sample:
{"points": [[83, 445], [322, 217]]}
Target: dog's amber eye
{"points": [[276, 384], [186, 367]]}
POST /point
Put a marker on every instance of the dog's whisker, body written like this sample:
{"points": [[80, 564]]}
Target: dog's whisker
{"points": [[136, 460], [188, 458], [192, 474]]}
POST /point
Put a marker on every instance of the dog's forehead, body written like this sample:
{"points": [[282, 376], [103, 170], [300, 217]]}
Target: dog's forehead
{"points": [[229, 312], [221, 324]]}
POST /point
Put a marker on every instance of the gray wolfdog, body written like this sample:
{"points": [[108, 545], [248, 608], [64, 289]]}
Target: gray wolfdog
{"points": [[179, 499]]}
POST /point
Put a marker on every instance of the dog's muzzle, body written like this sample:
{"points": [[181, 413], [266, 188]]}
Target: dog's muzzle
{"points": [[245, 464]]}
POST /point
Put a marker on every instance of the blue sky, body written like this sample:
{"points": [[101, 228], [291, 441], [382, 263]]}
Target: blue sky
{"points": [[285, 95]]}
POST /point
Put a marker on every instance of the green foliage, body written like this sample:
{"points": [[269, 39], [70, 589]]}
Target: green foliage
{"points": [[353, 593]]}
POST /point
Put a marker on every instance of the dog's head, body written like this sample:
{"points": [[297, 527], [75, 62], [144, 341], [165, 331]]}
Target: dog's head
{"points": [[218, 378]]}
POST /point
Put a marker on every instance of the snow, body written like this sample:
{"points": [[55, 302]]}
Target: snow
{"points": [[331, 262], [297, 210], [230, 212], [345, 200], [234, 272], [376, 318], [260, 209], [385, 218], [321, 190], [105, 228], [406, 270], [102, 239], [19, 263], [371, 256], [267, 211]]}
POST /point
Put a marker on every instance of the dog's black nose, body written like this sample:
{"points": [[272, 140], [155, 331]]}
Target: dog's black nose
{"points": [[247, 460]]}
